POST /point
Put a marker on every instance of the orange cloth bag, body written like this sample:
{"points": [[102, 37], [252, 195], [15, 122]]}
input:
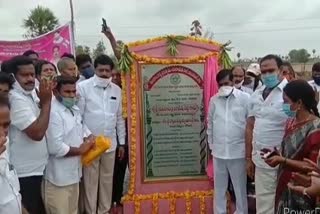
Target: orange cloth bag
{"points": [[102, 144]]}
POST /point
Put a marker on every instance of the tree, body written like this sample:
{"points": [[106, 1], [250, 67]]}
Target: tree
{"points": [[300, 56], [314, 53], [83, 50], [40, 21], [100, 49]]}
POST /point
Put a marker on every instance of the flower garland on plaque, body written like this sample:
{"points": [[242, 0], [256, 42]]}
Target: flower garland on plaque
{"points": [[171, 196]]}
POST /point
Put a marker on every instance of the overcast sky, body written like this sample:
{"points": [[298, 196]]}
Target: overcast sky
{"points": [[255, 27]]}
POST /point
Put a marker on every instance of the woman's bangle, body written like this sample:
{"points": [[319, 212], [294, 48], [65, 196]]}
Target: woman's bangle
{"points": [[285, 161]]}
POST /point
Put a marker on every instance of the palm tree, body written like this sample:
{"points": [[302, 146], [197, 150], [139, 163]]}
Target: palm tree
{"points": [[314, 53], [40, 21]]}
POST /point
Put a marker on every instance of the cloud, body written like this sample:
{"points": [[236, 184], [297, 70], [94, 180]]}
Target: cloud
{"points": [[255, 27]]}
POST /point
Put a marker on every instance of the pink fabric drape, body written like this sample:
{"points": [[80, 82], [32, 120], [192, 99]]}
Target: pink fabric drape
{"points": [[210, 83]]}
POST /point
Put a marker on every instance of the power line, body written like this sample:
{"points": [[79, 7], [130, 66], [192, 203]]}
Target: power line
{"points": [[222, 33]]}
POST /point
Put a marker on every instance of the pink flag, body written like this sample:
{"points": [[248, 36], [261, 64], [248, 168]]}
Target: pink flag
{"points": [[49, 46]]}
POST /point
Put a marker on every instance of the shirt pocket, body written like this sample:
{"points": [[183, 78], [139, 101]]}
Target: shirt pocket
{"points": [[113, 106], [239, 114]]}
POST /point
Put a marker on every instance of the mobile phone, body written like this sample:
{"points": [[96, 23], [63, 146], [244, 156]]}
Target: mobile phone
{"points": [[267, 153], [104, 25]]}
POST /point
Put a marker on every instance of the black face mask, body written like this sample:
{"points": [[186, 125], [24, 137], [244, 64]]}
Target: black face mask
{"points": [[317, 80]]}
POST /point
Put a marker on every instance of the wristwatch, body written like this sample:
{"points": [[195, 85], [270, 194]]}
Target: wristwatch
{"points": [[305, 193]]}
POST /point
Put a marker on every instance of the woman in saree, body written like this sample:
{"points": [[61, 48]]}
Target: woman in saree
{"points": [[301, 140]]}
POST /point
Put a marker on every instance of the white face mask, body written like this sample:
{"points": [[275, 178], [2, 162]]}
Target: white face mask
{"points": [[238, 85], [17, 86], [102, 82], [225, 91]]}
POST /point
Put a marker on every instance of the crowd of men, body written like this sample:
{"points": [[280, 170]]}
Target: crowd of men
{"points": [[49, 118]]}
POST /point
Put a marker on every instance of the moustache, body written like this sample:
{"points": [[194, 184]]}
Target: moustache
{"points": [[30, 83]]}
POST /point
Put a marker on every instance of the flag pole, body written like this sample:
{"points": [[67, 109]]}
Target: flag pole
{"points": [[72, 24]]}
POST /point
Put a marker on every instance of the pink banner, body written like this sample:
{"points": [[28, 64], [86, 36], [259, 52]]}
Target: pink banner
{"points": [[210, 83], [49, 46]]}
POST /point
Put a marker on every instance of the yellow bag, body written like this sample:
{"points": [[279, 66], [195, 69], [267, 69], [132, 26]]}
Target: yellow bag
{"points": [[102, 144]]}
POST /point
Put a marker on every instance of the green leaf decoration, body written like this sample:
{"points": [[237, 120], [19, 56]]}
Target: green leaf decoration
{"points": [[224, 59], [125, 60], [172, 43]]}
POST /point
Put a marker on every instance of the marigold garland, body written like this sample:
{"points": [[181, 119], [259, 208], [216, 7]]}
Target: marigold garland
{"points": [[172, 205], [160, 38], [188, 202], [155, 203], [124, 95], [202, 205], [194, 59], [133, 93], [137, 207]]}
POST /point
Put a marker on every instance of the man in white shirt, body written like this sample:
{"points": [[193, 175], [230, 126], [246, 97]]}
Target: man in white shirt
{"points": [[10, 199], [265, 130], [101, 106], [68, 139], [226, 137], [29, 122], [315, 83], [238, 74]]}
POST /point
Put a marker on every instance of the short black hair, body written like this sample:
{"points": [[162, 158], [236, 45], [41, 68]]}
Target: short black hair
{"points": [[4, 101], [6, 66], [301, 90], [39, 65], [30, 52], [68, 55], [6, 79], [238, 66], [274, 57], [223, 74], [64, 80], [103, 60], [316, 67], [83, 58], [17, 61]]}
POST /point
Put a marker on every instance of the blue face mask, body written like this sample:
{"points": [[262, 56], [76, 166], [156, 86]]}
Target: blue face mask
{"points": [[88, 72], [68, 102], [286, 107], [270, 80]]}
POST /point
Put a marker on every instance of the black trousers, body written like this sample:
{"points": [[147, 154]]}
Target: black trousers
{"points": [[30, 189], [120, 167]]}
